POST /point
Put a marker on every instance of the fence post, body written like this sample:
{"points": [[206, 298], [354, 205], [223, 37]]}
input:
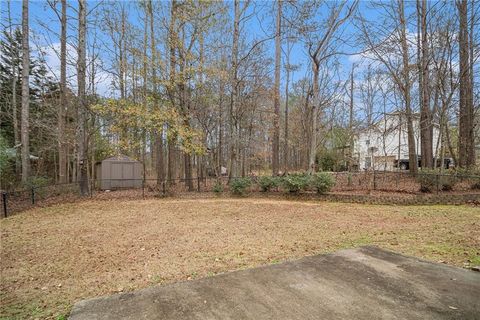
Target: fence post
{"points": [[374, 180], [143, 188], [4, 199], [33, 195], [437, 182], [92, 183], [198, 184], [163, 187]]}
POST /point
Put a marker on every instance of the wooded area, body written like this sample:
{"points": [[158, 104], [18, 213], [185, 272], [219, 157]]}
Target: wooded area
{"points": [[194, 88]]}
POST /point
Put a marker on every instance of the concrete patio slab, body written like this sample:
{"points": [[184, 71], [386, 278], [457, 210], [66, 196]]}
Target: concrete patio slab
{"points": [[363, 283]]}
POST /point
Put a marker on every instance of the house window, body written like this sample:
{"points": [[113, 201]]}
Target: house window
{"points": [[368, 162]]}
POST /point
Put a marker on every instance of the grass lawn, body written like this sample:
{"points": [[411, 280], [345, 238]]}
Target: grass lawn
{"points": [[52, 257]]}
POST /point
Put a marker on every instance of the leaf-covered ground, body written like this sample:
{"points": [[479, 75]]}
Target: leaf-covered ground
{"points": [[52, 257]]}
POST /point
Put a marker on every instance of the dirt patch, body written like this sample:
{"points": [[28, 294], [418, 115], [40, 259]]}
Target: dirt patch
{"points": [[52, 257]]}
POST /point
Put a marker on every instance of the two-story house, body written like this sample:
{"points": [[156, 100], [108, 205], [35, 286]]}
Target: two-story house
{"points": [[379, 146]]}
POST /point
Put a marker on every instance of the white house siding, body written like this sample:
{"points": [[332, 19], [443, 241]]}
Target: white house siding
{"points": [[384, 138]]}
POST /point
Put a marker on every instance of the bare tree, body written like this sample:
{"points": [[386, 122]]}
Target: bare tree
{"points": [[406, 85], [25, 95], [158, 133], [466, 146], [233, 168], [319, 50], [398, 66], [205, 92], [82, 101], [276, 96], [172, 43], [62, 156], [288, 68], [426, 126], [15, 74], [350, 118]]}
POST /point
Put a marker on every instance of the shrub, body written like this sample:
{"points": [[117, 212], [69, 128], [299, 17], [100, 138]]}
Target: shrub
{"points": [[5, 154], [322, 182], [472, 174], [296, 182], [240, 185], [475, 186], [430, 179], [218, 187], [447, 181], [327, 161], [36, 182], [268, 182], [475, 171]]}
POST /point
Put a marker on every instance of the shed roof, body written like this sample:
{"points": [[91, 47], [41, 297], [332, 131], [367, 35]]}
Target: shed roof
{"points": [[121, 158]]}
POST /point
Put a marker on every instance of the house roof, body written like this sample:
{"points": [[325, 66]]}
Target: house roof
{"points": [[395, 114]]}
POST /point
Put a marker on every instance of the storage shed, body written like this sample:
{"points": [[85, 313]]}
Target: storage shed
{"points": [[119, 172]]}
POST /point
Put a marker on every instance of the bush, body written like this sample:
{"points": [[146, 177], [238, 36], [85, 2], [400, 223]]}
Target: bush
{"points": [[428, 182], [327, 161], [218, 187], [240, 185], [296, 182], [37, 182], [322, 182], [471, 174], [267, 183], [447, 182], [475, 171], [430, 179], [5, 155], [475, 186]]}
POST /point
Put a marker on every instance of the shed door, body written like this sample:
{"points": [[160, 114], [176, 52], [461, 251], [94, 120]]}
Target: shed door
{"points": [[116, 175], [128, 177]]}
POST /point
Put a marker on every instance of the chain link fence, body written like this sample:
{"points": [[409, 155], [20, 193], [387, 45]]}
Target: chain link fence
{"points": [[345, 182]]}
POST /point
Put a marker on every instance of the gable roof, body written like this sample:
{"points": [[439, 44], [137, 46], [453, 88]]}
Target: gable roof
{"points": [[121, 158]]}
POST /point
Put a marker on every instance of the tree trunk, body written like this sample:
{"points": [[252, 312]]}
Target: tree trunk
{"points": [[350, 121], [81, 68], [122, 53], [184, 106], [233, 165], [172, 39], [412, 154], [471, 109], [220, 128], [25, 95], [16, 138], [62, 157], [465, 138], [463, 86], [145, 95], [276, 99], [159, 131], [426, 128], [15, 73], [315, 107], [287, 83], [188, 171]]}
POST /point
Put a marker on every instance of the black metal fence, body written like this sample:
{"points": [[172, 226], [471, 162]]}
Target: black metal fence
{"points": [[345, 182]]}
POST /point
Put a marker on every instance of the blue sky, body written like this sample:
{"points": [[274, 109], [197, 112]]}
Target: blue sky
{"points": [[258, 27]]}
